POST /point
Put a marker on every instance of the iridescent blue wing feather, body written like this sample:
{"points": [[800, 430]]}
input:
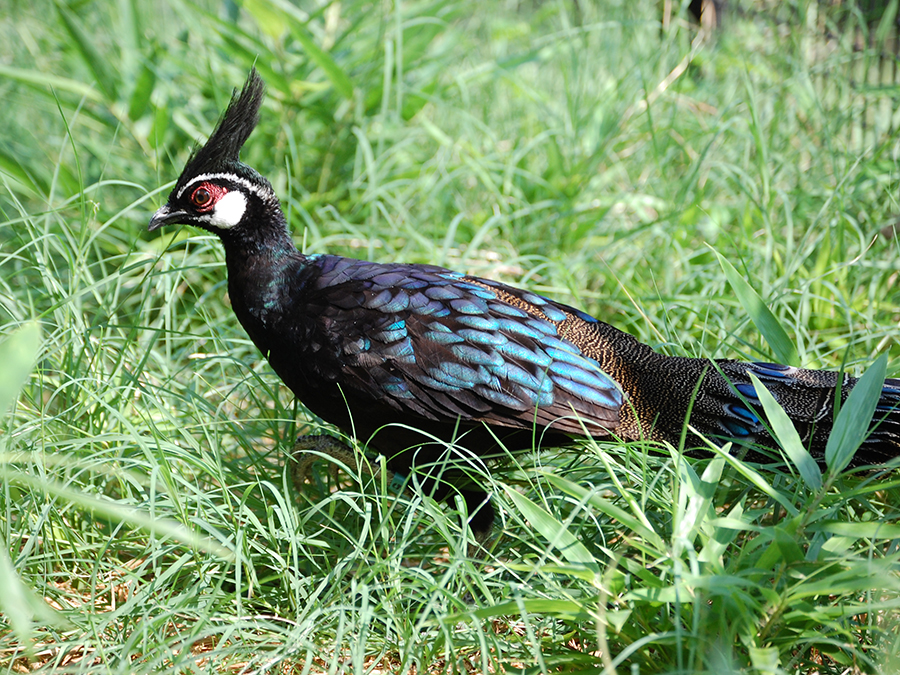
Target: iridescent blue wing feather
{"points": [[442, 346]]}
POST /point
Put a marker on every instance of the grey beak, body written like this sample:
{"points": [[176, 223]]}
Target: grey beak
{"points": [[164, 216]]}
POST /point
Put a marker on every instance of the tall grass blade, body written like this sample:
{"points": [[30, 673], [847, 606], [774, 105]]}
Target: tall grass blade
{"points": [[44, 82], [17, 602], [554, 532], [783, 348], [98, 63], [852, 424], [23, 609], [788, 438], [635, 522], [297, 26], [161, 527], [17, 354]]}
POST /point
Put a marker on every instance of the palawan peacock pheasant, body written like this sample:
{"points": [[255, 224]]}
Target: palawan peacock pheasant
{"points": [[412, 358]]}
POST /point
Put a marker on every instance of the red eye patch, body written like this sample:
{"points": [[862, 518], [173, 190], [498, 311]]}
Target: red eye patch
{"points": [[205, 196]]}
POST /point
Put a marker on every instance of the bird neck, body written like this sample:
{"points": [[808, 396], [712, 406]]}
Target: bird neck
{"points": [[263, 265], [259, 259], [266, 242]]}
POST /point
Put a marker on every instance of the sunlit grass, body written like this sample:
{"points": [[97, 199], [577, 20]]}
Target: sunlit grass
{"points": [[145, 499]]}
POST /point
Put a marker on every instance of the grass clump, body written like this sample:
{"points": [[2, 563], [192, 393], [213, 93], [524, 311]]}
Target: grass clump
{"points": [[582, 151]]}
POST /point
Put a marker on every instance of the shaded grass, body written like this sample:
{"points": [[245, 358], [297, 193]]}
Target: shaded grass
{"points": [[506, 143]]}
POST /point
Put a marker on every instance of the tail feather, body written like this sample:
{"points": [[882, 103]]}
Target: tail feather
{"points": [[808, 397], [661, 390], [884, 439]]}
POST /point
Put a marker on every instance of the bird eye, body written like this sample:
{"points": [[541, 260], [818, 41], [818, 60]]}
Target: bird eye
{"points": [[201, 197]]}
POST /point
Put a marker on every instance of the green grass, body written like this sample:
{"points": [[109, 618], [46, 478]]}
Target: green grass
{"points": [[147, 516]]}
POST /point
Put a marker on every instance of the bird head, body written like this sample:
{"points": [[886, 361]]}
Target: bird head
{"points": [[215, 190]]}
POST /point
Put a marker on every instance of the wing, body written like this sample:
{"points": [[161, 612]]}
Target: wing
{"points": [[443, 346]]}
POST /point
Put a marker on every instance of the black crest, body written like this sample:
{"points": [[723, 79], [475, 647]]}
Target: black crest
{"points": [[222, 149]]}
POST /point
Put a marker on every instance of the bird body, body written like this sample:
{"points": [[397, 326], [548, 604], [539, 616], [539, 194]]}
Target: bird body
{"points": [[412, 358]]}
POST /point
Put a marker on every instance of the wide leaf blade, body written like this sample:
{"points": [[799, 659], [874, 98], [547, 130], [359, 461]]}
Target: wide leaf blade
{"points": [[554, 532], [767, 324], [17, 354], [852, 423], [786, 435]]}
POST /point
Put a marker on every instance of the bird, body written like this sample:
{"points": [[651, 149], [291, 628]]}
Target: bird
{"points": [[420, 361]]}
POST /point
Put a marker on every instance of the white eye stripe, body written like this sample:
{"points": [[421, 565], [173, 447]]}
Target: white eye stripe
{"points": [[243, 182]]}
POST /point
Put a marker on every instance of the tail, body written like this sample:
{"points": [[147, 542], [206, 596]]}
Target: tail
{"points": [[727, 406], [723, 403]]}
